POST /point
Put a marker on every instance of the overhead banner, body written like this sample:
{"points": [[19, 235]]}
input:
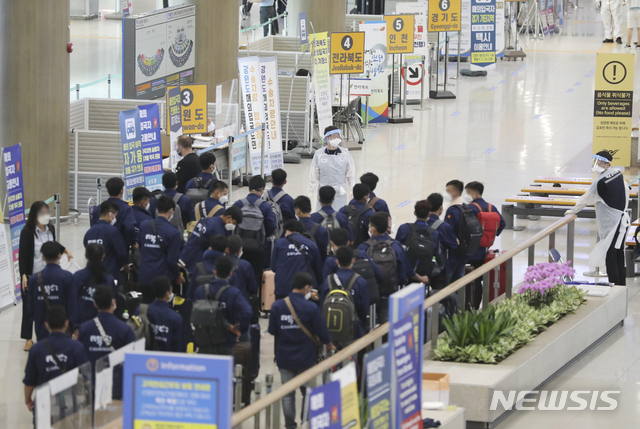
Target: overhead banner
{"points": [[254, 116], [322, 81], [378, 378], [151, 145], [131, 152], [400, 33], [419, 10], [483, 34], [271, 97], [176, 390], [347, 53], [324, 407], [375, 60], [174, 124], [302, 32], [12, 157], [612, 107], [350, 405]]}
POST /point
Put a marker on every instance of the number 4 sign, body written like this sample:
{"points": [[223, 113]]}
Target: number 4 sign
{"points": [[347, 53], [444, 15]]}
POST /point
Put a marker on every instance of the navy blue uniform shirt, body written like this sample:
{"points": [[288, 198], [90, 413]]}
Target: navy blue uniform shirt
{"points": [[364, 218], [140, 214], [243, 277], [611, 189], [482, 252], [83, 288], [58, 285], [167, 326], [380, 205], [294, 349], [236, 308], [321, 236], [359, 292], [452, 218], [125, 220], [267, 213], [159, 250], [116, 252], [41, 366], [285, 202], [183, 202], [342, 219], [209, 204], [195, 246], [287, 260], [118, 333], [404, 271]]}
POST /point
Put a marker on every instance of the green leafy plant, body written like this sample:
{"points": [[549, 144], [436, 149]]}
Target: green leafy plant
{"points": [[483, 328]]}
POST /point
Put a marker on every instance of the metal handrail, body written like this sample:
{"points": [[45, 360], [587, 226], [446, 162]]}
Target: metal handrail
{"points": [[255, 408], [269, 21]]}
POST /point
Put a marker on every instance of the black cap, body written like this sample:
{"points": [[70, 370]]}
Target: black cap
{"points": [[605, 154]]}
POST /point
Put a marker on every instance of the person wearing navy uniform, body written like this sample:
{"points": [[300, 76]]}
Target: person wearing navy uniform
{"points": [[53, 356], [453, 197], [106, 334], [217, 248], [326, 195], [475, 191], [160, 246], [277, 194], [376, 203], [446, 233], [57, 284], [141, 205], [214, 205], [243, 276], [302, 206], [86, 280], [206, 177], [340, 237], [125, 220], [105, 233], [198, 241], [359, 204], [359, 291], [189, 166], [295, 350], [237, 310], [292, 254], [170, 184], [165, 321]]}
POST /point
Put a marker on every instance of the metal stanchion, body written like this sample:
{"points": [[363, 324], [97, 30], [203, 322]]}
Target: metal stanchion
{"points": [[109, 85], [402, 118], [99, 187], [434, 92], [597, 272], [424, 77], [286, 24], [56, 203], [77, 91], [257, 387], [435, 324], [230, 178], [457, 76], [264, 142], [446, 60], [268, 379], [237, 406], [404, 91]]}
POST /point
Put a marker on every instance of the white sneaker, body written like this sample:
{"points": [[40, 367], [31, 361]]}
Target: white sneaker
{"points": [[628, 47]]}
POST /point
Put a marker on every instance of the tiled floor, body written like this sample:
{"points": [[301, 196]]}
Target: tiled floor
{"points": [[524, 119]]}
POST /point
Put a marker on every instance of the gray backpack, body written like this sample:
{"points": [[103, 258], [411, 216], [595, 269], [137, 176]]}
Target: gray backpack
{"points": [[176, 220], [277, 212], [210, 327], [339, 309], [251, 229], [200, 191]]}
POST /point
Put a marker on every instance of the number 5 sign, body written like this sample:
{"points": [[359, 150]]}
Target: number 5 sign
{"points": [[400, 33], [347, 53], [444, 15]]}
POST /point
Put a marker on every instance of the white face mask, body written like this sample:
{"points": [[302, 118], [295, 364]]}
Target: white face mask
{"points": [[113, 221], [240, 254], [335, 142], [596, 169], [229, 227], [223, 199], [44, 219], [147, 207], [307, 296], [171, 297], [467, 198], [447, 197]]}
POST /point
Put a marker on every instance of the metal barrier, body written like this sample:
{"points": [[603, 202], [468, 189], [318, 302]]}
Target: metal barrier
{"points": [[271, 401], [107, 79], [253, 28]]}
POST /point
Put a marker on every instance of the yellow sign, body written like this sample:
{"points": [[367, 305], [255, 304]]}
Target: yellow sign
{"points": [[400, 33], [444, 15], [347, 53], [612, 106], [193, 108]]}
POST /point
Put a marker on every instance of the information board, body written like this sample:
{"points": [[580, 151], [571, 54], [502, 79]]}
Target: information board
{"points": [[321, 80], [378, 374], [302, 32], [12, 157], [151, 145], [272, 120], [350, 405], [483, 34], [400, 34], [254, 117], [131, 152], [324, 407], [174, 124], [347, 53], [375, 57], [444, 15], [419, 10]]}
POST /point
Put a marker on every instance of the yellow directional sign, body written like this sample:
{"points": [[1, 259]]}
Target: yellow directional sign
{"points": [[400, 33], [444, 15], [347, 53]]}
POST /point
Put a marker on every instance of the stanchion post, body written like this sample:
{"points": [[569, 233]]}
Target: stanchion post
{"points": [[57, 208], [435, 322], [99, 190], [109, 85], [268, 380], [286, 23], [366, 109], [237, 406], [458, 64], [264, 143], [446, 60], [230, 178], [257, 388], [425, 69], [404, 91], [77, 91]]}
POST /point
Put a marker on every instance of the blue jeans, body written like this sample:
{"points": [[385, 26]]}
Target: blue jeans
{"points": [[457, 269], [289, 400]]}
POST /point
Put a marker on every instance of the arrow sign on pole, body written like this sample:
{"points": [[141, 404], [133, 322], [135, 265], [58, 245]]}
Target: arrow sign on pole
{"points": [[415, 74]]}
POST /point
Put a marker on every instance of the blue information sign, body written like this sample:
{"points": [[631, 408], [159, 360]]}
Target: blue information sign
{"points": [[151, 145], [177, 391], [131, 151], [324, 407], [483, 34], [12, 157], [378, 378]]}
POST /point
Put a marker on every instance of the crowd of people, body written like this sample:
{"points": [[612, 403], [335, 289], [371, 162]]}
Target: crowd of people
{"points": [[189, 273]]}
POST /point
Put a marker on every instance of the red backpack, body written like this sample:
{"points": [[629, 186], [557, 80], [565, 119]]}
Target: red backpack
{"points": [[490, 222]]}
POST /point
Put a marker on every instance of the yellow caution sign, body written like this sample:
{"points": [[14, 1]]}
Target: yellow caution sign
{"points": [[444, 15], [612, 106], [347, 53], [193, 107], [400, 33]]}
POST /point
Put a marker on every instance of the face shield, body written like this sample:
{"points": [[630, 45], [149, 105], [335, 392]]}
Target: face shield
{"points": [[600, 164], [333, 138]]}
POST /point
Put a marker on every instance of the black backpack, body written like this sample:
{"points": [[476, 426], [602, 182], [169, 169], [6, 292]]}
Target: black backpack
{"points": [[469, 232], [362, 267], [311, 232], [339, 309], [422, 253], [357, 226], [382, 253], [210, 327]]}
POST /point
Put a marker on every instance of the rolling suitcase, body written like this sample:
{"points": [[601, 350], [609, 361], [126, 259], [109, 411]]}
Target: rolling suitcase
{"points": [[254, 332], [498, 276], [268, 295]]}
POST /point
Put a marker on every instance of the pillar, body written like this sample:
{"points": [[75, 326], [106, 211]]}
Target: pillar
{"points": [[217, 28], [34, 83], [325, 15]]}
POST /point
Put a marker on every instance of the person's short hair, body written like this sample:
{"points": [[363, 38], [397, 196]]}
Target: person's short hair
{"points": [[278, 176], [605, 154], [340, 236], [160, 286], [56, 317], [207, 159], [256, 183], [223, 267], [51, 250], [219, 242], [302, 203], [185, 141], [344, 255], [300, 280], [141, 193], [330, 128], [235, 213], [218, 186], [370, 179], [360, 190], [475, 186], [234, 244], [293, 225], [114, 186], [107, 207], [169, 180], [103, 297], [380, 222], [456, 184], [165, 204], [326, 194], [436, 201], [421, 209]]}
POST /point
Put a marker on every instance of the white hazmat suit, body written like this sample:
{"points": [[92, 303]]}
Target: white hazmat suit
{"points": [[612, 12]]}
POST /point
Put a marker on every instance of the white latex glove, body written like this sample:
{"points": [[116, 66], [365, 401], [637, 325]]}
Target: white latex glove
{"points": [[568, 212]]}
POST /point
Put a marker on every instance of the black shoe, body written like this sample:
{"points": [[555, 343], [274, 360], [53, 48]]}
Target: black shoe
{"points": [[619, 41], [607, 41]]}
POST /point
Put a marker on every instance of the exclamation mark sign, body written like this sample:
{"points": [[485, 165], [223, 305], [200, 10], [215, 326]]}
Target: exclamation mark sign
{"points": [[614, 72]]}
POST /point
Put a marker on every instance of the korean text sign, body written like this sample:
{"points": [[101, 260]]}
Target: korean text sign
{"points": [[271, 98], [378, 374], [151, 146], [321, 80], [400, 33], [131, 151], [324, 407], [347, 53], [483, 34], [444, 15], [254, 116], [12, 157]]}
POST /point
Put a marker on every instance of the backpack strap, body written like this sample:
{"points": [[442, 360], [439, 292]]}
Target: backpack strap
{"points": [[314, 229], [221, 291], [323, 214], [177, 197], [43, 291], [142, 310], [201, 269], [278, 196], [352, 281], [363, 210], [105, 338], [435, 225], [209, 182], [313, 338], [200, 211], [206, 291], [215, 210], [154, 228], [372, 202], [52, 351], [478, 205]]}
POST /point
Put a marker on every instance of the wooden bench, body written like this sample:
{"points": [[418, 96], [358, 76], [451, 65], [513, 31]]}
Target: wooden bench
{"points": [[529, 205], [567, 180]]}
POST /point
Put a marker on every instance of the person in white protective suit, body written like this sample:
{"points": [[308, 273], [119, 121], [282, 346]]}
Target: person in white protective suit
{"points": [[332, 166], [609, 194], [612, 12]]}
